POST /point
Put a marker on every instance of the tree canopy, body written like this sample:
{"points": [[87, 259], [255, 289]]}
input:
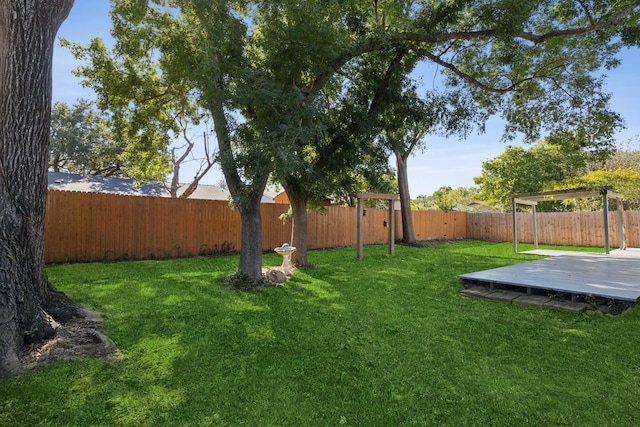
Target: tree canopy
{"points": [[262, 70], [548, 167], [621, 171], [81, 142], [521, 170]]}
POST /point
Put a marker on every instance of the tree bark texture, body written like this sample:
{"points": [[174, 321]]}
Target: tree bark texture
{"points": [[299, 229], [408, 232], [251, 240], [27, 35]]}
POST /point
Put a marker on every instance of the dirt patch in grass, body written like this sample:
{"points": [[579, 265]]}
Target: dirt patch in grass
{"points": [[79, 334]]}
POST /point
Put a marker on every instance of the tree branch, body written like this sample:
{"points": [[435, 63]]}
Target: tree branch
{"points": [[470, 79], [587, 12], [182, 95], [405, 38], [160, 95], [378, 97]]}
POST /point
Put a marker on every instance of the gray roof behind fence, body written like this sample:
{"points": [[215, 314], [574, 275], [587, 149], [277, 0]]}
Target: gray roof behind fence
{"points": [[101, 184]]}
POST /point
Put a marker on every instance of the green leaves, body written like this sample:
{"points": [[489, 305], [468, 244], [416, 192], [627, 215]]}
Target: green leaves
{"points": [[149, 103], [621, 170], [266, 62], [521, 171], [82, 143], [294, 88], [558, 165]]}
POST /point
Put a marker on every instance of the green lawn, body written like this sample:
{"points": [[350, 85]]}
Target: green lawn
{"points": [[384, 341]]}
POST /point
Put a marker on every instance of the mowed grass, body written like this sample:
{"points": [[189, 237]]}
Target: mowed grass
{"points": [[383, 341]]}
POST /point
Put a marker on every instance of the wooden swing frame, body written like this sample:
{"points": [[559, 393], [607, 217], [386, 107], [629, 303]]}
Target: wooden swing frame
{"points": [[376, 196]]}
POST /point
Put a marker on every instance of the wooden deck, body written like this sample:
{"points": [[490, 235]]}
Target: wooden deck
{"points": [[615, 276], [617, 253]]}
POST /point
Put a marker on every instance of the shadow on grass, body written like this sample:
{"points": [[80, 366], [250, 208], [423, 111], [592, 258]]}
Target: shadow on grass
{"points": [[379, 341]]}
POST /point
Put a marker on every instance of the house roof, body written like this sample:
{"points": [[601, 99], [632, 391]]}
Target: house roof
{"points": [[125, 186], [100, 184]]}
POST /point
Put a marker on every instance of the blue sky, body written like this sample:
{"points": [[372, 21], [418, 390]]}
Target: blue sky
{"points": [[444, 162]]}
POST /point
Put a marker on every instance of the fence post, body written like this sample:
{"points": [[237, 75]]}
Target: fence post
{"points": [[605, 202], [392, 227], [360, 240], [623, 244], [515, 229], [535, 227]]}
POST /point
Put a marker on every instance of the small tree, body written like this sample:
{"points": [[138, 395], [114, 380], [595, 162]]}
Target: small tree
{"points": [[408, 119], [443, 200]]}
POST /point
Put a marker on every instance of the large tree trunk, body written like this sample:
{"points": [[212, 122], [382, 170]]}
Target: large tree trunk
{"points": [[27, 35], [299, 228], [248, 200], [251, 240], [408, 233], [246, 197]]}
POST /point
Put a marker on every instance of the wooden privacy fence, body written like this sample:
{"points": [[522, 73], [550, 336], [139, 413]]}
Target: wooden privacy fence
{"points": [[556, 228], [432, 225], [98, 226]]}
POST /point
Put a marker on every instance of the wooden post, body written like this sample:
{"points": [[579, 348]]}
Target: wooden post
{"points": [[623, 244], [360, 240], [515, 225], [605, 202], [378, 196], [392, 234], [535, 227]]}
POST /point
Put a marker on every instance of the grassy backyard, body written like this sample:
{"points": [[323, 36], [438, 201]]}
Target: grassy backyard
{"points": [[384, 341]]}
